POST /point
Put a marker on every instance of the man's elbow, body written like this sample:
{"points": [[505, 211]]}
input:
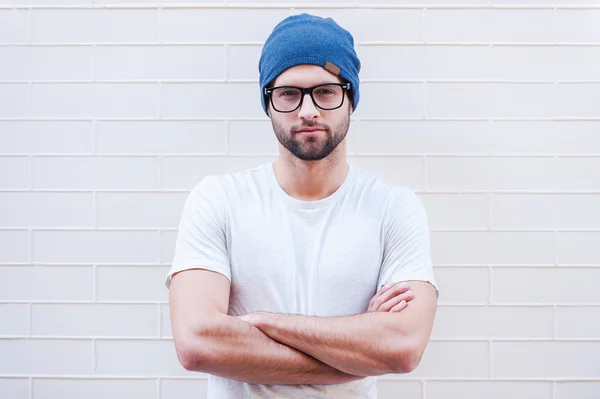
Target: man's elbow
{"points": [[192, 357], [407, 358], [194, 352]]}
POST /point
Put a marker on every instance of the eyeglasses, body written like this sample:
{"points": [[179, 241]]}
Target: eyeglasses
{"points": [[326, 96]]}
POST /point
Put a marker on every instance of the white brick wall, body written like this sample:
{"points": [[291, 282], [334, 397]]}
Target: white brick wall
{"points": [[111, 110]]}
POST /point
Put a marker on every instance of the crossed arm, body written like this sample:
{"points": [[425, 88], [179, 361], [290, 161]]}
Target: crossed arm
{"points": [[266, 348]]}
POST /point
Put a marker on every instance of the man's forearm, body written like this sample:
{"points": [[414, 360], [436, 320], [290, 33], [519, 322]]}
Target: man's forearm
{"points": [[365, 344], [235, 349]]}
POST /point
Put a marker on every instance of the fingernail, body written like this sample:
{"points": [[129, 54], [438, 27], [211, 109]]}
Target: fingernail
{"points": [[401, 285]]}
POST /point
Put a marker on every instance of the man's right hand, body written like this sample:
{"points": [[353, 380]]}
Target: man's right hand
{"points": [[390, 298]]}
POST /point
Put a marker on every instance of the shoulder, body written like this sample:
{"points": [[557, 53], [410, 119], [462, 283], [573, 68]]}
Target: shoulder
{"points": [[391, 197]]}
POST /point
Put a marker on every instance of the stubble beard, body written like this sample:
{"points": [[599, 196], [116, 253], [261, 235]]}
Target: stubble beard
{"points": [[312, 148]]}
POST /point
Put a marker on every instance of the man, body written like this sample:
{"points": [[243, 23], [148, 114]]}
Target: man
{"points": [[303, 277]]}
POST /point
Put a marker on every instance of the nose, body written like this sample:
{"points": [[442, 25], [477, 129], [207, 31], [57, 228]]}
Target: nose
{"points": [[308, 110]]}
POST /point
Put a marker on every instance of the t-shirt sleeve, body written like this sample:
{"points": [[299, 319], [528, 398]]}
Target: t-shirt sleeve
{"points": [[407, 250], [201, 238]]}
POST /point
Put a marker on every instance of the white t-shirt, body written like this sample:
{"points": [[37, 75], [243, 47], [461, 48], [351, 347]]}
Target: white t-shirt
{"points": [[317, 258]]}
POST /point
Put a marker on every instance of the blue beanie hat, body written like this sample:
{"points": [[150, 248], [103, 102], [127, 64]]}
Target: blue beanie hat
{"points": [[308, 39]]}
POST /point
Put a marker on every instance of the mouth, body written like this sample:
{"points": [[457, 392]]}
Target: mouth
{"points": [[309, 131]]}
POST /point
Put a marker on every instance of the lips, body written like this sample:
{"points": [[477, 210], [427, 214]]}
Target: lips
{"points": [[309, 130]]}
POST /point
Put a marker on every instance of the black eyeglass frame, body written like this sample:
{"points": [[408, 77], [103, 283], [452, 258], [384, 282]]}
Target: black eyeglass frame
{"points": [[308, 90]]}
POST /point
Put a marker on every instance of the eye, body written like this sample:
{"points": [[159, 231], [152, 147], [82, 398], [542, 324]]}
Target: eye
{"points": [[326, 91]]}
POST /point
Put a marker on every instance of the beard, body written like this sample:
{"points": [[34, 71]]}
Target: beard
{"points": [[312, 148]]}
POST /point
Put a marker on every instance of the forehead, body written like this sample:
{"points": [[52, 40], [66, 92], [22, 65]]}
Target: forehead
{"points": [[305, 76]]}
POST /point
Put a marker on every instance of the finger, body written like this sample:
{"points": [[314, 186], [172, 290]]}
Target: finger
{"points": [[387, 306], [396, 290], [382, 289], [399, 307]]}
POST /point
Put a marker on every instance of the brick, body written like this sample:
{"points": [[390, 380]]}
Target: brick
{"points": [[489, 26], [449, 211], [506, 173], [215, 25], [577, 322], [457, 173], [580, 2], [98, 173], [252, 137], [402, 100], [579, 248], [493, 322], [165, 322], [53, 283], [129, 358], [390, 389], [242, 62], [60, 63], [494, 173], [532, 2], [490, 100], [578, 99], [14, 246], [463, 285], [517, 137], [14, 172], [95, 246], [578, 173], [578, 137], [43, 356], [15, 321], [139, 209], [210, 100], [15, 61], [579, 390], [484, 248], [161, 137], [439, 360], [159, 62], [14, 101], [14, 26], [183, 389], [424, 62], [423, 137], [86, 100], [167, 246], [539, 211], [539, 359], [89, 26], [47, 388], [47, 209], [47, 137], [488, 389], [90, 320], [578, 26], [419, 2], [365, 24], [399, 171], [545, 63], [564, 285], [131, 284], [66, 100], [18, 387], [186, 172]]}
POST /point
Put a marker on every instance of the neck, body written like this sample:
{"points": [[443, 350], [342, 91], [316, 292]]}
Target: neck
{"points": [[311, 180]]}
